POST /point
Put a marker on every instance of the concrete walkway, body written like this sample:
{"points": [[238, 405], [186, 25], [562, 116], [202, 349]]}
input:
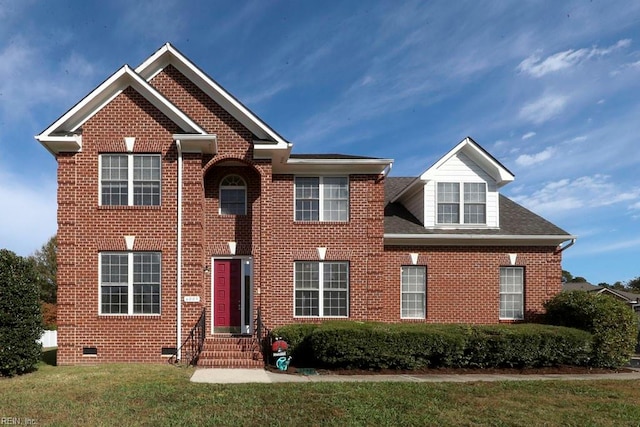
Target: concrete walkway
{"points": [[244, 376]]}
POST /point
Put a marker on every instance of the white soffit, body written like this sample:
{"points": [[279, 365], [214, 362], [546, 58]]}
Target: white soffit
{"points": [[167, 54]]}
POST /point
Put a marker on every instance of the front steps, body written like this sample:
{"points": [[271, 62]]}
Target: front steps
{"points": [[228, 351]]}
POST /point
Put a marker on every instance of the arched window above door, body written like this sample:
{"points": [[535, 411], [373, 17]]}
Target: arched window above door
{"points": [[233, 196]]}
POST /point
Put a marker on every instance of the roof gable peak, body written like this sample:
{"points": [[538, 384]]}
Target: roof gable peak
{"points": [[169, 55], [477, 154]]}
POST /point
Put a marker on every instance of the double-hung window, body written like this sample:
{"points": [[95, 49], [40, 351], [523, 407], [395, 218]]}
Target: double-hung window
{"points": [[322, 198], [511, 293], [414, 292], [473, 204], [130, 179], [233, 196], [129, 282], [321, 289]]}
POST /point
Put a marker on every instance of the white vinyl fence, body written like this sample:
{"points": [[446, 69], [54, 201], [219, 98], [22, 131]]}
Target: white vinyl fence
{"points": [[49, 339]]}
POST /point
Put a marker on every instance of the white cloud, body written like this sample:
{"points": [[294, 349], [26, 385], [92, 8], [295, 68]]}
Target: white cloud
{"points": [[585, 192], [28, 213], [27, 83], [600, 248], [543, 109], [532, 159], [538, 67], [528, 135]]}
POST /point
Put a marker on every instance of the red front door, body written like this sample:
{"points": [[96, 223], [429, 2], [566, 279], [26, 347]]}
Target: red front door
{"points": [[226, 298]]}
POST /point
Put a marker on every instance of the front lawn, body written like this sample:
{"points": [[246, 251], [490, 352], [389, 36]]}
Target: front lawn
{"points": [[135, 394]]}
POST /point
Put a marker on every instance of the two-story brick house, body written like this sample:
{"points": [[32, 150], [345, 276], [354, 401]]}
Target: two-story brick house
{"points": [[175, 200]]}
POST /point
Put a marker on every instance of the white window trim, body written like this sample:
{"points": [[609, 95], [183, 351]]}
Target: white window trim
{"points": [[500, 293], [425, 293], [130, 195], [461, 204], [321, 291], [129, 285], [321, 197], [232, 187]]}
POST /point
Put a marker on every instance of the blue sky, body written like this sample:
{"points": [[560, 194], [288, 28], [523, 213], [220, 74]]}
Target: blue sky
{"points": [[549, 88]]}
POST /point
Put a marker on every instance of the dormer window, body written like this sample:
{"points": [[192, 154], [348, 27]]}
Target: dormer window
{"points": [[472, 204]]}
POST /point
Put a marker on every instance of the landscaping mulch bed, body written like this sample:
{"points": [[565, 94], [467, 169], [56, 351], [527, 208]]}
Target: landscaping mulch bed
{"points": [[565, 369]]}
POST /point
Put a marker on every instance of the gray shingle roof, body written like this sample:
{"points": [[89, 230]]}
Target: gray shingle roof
{"points": [[515, 220]]}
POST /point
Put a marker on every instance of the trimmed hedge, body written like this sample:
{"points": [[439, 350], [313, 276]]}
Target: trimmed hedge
{"points": [[613, 324], [356, 345], [20, 316]]}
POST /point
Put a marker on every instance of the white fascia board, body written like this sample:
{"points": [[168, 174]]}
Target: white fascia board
{"points": [[342, 166], [473, 240], [205, 144], [73, 119], [167, 54]]}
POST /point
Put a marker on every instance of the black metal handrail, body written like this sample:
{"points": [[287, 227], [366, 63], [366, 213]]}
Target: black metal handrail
{"points": [[263, 335], [192, 346]]}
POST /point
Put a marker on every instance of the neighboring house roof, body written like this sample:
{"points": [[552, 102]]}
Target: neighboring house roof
{"points": [[580, 286], [516, 222], [629, 297]]}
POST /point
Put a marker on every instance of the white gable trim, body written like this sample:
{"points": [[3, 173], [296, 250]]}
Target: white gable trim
{"points": [[471, 149], [493, 168], [67, 125], [167, 54]]}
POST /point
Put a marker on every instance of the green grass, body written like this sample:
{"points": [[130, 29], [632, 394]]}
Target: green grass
{"points": [[141, 395]]}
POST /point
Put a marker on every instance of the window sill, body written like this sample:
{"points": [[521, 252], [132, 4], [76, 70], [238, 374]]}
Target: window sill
{"points": [[104, 316], [299, 222], [321, 317], [127, 207]]}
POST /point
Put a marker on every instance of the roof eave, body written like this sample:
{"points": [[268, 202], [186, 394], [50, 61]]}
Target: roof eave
{"points": [[474, 239], [324, 166]]}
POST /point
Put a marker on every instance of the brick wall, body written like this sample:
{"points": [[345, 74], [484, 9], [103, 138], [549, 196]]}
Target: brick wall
{"points": [[85, 229]]}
